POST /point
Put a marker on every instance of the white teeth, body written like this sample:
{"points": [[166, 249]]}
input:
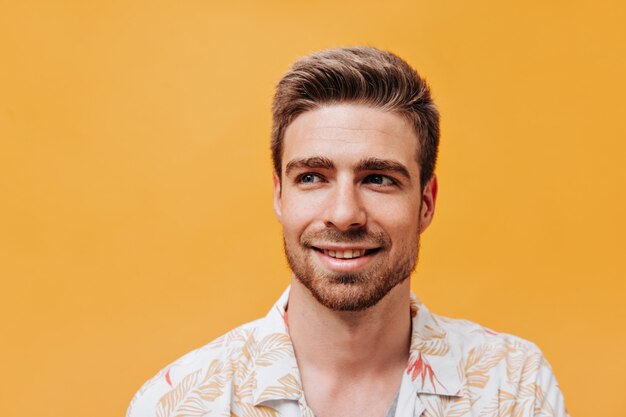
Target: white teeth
{"points": [[345, 254]]}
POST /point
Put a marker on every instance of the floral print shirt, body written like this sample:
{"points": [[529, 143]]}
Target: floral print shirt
{"points": [[456, 369]]}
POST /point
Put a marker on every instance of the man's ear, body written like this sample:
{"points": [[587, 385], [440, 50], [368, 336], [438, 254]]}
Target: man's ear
{"points": [[277, 196], [429, 198]]}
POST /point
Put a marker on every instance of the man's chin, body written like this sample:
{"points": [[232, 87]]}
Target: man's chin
{"points": [[346, 292]]}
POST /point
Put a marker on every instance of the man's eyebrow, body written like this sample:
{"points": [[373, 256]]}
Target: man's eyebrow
{"points": [[377, 164], [313, 162]]}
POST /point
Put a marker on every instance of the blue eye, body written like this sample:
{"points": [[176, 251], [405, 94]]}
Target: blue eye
{"points": [[377, 179], [309, 178]]}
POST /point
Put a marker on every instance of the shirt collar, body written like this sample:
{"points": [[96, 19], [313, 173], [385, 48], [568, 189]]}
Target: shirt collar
{"points": [[277, 378], [432, 366], [433, 360]]}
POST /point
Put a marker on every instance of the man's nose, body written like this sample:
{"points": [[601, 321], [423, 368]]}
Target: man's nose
{"points": [[345, 210]]}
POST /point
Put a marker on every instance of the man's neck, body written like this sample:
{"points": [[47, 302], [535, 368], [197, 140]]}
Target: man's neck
{"points": [[350, 344]]}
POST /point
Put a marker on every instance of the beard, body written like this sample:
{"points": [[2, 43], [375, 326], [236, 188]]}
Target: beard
{"points": [[358, 290]]}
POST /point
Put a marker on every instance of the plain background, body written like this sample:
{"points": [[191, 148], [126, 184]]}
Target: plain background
{"points": [[135, 181]]}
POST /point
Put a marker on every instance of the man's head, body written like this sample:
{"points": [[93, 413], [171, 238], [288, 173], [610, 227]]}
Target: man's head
{"points": [[349, 189], [359, 75]]}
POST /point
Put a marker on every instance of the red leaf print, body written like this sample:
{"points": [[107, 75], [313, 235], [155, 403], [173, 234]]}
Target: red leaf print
{"points": [[167, 378], [420, 367]]}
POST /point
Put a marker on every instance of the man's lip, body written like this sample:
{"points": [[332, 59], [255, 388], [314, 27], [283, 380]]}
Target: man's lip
{"points": [[346, 260], [352, 252], [344, 247]]}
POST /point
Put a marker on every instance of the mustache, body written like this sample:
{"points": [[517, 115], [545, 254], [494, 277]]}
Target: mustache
{"points": [[355, 236]]}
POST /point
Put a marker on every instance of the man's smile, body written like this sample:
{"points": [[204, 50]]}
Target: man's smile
{"points": [[351, 253], [345, 259]]}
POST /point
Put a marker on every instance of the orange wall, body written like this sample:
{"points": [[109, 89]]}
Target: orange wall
{"points": [[135, 203]]}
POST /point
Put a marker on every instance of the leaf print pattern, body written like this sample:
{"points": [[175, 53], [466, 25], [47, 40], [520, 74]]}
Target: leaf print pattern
{"points": [[212, 385], [265, 353], [455, 369], [272, 348], [289, 384], [480, 361], [500, 406], [431, 341], [419, 367], [184, 400], [169, 404], [234, 337], [543, 408], [192, 396], [514, 362], [244, 382]]}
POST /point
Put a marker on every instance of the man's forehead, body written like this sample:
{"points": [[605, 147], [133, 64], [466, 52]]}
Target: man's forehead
{"points": [[352, 117], [350, 132]]}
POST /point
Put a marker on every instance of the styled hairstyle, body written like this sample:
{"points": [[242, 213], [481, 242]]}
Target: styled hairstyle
{"points": [[360, 75]]}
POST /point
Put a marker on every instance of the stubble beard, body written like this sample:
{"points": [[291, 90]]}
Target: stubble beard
{"points": [[351, 291]]}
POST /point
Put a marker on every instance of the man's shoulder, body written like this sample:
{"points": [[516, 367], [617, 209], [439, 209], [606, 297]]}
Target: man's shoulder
{"points": [[221, 354], [489, 359], [469, 337], [501, 371], [482, 349]]}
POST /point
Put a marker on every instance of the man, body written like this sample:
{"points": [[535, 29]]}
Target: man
{"points": [[354, 146]]}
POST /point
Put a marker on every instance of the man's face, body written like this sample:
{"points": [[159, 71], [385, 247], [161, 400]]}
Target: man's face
{"points": [[350, 203]]}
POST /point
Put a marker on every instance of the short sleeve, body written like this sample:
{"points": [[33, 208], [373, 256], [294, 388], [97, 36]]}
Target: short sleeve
{"points": [[549, 400]]}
